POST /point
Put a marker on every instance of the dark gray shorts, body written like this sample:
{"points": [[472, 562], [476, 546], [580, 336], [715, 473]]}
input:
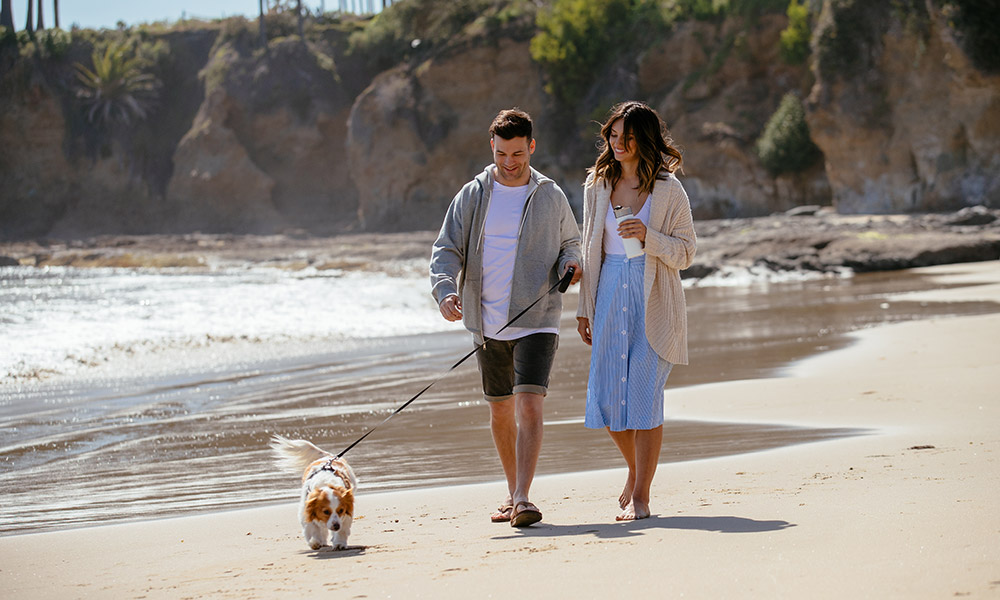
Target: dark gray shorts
{"points": [[517, 366]]}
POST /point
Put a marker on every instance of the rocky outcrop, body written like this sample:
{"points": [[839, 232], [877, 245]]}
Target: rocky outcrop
{"points": [[34, 183], [825, 241], [254, 143], [58, 179], [812, 239], [419, 132], [265, 141], [266, 150], [911, 124], [716, 85], [215, 184]]}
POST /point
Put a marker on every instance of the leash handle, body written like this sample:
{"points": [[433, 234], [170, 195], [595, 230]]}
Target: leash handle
{"points": [[564, 282], [561, 285]]}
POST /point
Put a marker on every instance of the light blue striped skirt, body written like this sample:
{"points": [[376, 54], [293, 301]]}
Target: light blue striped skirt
{"points": [[627, 377]]}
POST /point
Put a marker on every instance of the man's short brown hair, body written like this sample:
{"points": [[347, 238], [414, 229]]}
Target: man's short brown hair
{"points": [[512, 123]]}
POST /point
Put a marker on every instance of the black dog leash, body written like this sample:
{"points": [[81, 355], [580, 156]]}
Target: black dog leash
{"points": [[562, 285]]}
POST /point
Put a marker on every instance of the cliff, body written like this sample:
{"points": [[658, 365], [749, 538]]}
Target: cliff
{"points": [[327, 134], [908, 123]]}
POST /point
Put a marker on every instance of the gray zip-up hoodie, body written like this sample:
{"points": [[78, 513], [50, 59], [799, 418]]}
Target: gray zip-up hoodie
{"points": [[548, 239]]}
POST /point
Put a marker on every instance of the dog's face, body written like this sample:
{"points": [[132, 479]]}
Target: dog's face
{"points": [[332, 505]]}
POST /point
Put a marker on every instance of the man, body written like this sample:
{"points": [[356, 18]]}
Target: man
{"points": [[509, 235]]}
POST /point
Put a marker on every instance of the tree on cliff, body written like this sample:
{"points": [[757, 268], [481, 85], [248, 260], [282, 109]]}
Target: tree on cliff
{"points": [[7, 16], [301, 18], [263, 32], [116, 92]]}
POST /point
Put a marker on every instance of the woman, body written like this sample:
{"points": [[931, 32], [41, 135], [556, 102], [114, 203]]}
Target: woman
{"points": [[632, 310]]}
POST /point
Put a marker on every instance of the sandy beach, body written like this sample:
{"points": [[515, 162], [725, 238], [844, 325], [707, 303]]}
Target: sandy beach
{"points": [[906, 509]]}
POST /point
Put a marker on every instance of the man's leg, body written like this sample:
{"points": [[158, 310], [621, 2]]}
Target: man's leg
{"points": [[496, 368], [532, 357], [504, 428], [528, 409]]}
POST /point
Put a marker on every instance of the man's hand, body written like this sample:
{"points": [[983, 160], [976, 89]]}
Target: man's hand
{"points": [[577, 273], [451, 307], [583, 326]]}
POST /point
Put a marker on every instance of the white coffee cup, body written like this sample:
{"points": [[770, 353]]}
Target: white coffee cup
{"points": [[633, 247]]}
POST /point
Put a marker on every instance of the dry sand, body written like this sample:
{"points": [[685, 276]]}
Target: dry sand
{"points": [[910, 509]]}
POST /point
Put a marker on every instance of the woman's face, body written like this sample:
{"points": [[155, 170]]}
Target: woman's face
{"points": [[622, 146]]}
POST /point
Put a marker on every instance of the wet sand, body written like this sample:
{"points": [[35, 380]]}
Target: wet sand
{"points": [[208, 428], [907, 510]]}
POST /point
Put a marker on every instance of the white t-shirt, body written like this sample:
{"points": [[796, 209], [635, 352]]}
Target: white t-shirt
{"points": [[500, 232]]}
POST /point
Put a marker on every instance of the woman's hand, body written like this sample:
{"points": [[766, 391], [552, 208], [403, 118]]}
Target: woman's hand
{"points": [[632, 228], [583, 326]]}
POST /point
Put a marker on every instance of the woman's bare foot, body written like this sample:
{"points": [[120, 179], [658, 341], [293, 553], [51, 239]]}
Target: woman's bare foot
{"points": [[626, 496], [634, 511]]}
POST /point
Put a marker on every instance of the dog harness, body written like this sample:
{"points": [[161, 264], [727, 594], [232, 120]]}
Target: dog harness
{"points": [[329, 466]]}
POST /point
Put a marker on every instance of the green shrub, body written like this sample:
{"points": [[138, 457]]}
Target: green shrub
{"points": [[415, 27], [708, 10], [785, 145], [795, 37], [577, 38]]}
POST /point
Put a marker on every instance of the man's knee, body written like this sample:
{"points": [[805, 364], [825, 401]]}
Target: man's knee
{"points": [[529, 406], [502, 410]]}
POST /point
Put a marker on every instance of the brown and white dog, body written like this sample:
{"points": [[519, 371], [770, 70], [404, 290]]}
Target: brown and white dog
{"points": [[328, 485]]}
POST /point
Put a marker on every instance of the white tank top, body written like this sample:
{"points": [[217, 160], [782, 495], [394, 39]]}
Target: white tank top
{"points": [[612, 241]]}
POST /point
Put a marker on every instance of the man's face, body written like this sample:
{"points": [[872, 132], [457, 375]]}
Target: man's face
{"points": [[512, 158]]}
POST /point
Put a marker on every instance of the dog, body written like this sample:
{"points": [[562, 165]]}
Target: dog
{"points": [[328, 488]]}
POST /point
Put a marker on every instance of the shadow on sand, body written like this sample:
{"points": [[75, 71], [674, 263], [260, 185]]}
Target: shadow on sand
{"points": [[631, 528], [327, 552]]}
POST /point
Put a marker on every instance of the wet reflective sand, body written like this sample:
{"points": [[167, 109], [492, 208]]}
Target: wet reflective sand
{"points": [[125, 447]]}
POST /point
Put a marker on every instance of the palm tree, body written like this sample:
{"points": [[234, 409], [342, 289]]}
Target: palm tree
{"points": [[263, 32], [41, 21], [298, 11], [7, 16], [55, 9], [116, 92], [29, 26]]}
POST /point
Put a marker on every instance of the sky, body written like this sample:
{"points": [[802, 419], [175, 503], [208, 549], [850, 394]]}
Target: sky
{"points": [[96, 14]]}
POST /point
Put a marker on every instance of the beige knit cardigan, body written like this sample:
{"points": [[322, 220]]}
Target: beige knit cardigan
{"points": [[670, 247]]}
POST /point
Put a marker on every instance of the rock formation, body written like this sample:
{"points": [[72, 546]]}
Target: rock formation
{"points": [[302, 136], [419, 132], [912, 125], [717, 85]]}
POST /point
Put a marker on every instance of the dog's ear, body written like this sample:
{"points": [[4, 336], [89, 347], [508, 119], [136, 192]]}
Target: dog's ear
{"points": [[346, 499], [318, 506]]}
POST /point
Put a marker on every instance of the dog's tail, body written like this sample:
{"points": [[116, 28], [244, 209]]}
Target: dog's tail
{"points": [[296, 455]]}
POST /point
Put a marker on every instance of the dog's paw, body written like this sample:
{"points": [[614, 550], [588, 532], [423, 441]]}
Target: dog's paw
{"points": [[315, 545]]}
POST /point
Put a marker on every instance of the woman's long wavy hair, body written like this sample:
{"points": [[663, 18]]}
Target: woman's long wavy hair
{"points": [[642, 126]]}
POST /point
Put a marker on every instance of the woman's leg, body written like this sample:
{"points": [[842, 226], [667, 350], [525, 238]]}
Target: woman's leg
{"points": [[625, 440], [647, 443]]}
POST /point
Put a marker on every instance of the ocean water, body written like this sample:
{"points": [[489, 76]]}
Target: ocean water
{"points": [[142, 393], [64, 320]]}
